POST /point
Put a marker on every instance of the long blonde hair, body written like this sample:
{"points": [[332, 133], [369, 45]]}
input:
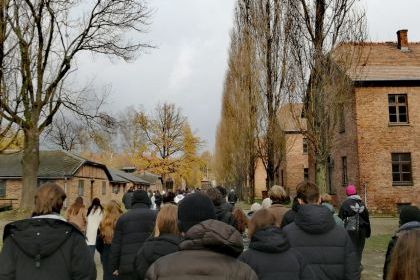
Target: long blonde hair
{"points": [[76, 206], [107, 226], [167, 220]]}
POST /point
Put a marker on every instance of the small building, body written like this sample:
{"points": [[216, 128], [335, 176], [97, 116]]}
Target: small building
{"points": [[153, 179], [78, 176], [122, 181], [377, 147]]}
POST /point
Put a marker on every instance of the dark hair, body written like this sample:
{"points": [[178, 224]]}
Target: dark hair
{"points": [[49, 198], [222, 190], [260, 220], [406, 257], [215, 196], [308, 192], [96, 204]]}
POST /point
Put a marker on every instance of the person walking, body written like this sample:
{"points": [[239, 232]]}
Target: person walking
{"points": [[289, 216], [132, 229], [406, 257], [326, 201], [209, 250], [326, 247], [46, 246], [232, 198], [278, 198], [165, 240], [158, 200], [222, 213], [224, 204], [409, 220], [94, 217], [112, 213], [127, 198], [76, 214], [269, 254], [355, 216]]}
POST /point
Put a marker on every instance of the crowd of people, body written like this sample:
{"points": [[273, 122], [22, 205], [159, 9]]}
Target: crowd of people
{"points": [[202, 234]]}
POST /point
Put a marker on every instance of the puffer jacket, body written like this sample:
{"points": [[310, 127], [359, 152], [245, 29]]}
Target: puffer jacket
{"points": [[132, 229], [152, 250], [45, 248], [271, 257], [327, 248], [414, 225], [224, 215], [208, 252], [289, 216]]}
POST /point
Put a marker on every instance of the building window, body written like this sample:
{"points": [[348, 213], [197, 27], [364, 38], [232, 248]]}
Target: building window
{"points": [[401, 169], [81, 188], [115, 189], [345, 178], [341, 119], [305, 146], [398, 108], [306, 174], [2, 188], [104, 188]]}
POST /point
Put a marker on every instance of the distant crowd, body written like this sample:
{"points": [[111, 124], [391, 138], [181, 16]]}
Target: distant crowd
{"points": [[203, 234]]}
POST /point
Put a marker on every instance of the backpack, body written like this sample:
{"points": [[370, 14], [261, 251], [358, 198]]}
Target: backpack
{"points": [[352, 223]]}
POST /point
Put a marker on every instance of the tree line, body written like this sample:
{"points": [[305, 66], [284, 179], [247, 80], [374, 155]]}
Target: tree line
{"points": [[284, 52]]}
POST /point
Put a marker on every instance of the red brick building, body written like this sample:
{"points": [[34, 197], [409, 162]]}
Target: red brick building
{"points": [[378, 146]]}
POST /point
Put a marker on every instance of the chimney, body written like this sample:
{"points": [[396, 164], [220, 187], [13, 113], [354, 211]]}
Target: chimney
{"points": [[402, 39]]}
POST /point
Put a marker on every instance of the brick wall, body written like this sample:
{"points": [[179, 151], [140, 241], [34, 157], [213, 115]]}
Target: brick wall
{"points": [[296, 161]]}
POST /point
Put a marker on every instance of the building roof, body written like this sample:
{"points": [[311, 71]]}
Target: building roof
{"points": [[149, 177], [372, 62], [119, 176], [52, 165]]}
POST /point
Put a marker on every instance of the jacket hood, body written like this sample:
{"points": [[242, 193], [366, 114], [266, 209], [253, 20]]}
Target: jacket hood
{"points": [[157, 247], [409, 226], [39, 237], [315, 219], [215, 236], [270, 240]]}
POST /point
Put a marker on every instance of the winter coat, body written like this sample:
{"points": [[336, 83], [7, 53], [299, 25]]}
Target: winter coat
{"points": [[224, 215], [93, 220], [289, 216], [153, 249], [208, 252], [45, 248], [278, 210], [346, 211], [232, 197], [403, 229], [271, 257], [79, 219], [132, 229], [127, 198], [337, 220], [326, 247]]}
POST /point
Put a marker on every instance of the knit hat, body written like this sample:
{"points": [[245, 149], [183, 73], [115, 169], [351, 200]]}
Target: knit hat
{"points": [[351, 190], [409, 213], [140, 196], [193, 209]]}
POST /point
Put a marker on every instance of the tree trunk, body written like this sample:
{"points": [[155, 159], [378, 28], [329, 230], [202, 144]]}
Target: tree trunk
{"points": [[321, 177], [30, 166]]}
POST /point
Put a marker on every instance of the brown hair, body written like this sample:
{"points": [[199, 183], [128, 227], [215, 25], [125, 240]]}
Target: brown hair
{"points": [[76, 206], [48, 199], [278, 195], [167, 220], [326, 198], [260, 220], [308, 192], [241, 220], [215, 196], [107, 226], [406, 257]]}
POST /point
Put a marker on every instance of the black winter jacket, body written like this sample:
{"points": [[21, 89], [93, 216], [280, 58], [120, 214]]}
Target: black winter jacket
{"points": [[271, 257], [127, 199], [45, 249], [326, 247], [289, 216], [403, 229], [132, 229], [153, 249], [346, 211], [224, 215]]}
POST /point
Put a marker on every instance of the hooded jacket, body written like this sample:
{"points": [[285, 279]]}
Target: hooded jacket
{"points": [[45, 248], [152, 250], [224, 215], [209, 251], [132, 229], [337, 220], [414, 225], [289, 216], [271, 257], [346, 211], [327, 248]]}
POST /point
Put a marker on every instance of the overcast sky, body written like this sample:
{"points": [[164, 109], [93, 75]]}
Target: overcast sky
{"points": [[189, 63]]}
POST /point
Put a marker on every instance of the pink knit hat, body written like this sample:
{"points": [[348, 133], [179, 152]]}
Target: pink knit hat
{"points": [[351, 190]]}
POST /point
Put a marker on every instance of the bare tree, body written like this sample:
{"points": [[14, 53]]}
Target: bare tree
{"points": [[39, 41]]}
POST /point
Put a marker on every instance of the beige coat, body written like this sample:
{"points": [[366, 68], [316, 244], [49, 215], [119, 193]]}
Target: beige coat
{"points": [[278, 211]]}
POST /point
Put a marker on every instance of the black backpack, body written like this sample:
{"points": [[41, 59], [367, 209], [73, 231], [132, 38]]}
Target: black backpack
{"points": [[352, 223]]}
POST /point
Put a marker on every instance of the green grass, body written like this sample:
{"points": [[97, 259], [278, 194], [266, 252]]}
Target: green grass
{"points": [[378, 243]]}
